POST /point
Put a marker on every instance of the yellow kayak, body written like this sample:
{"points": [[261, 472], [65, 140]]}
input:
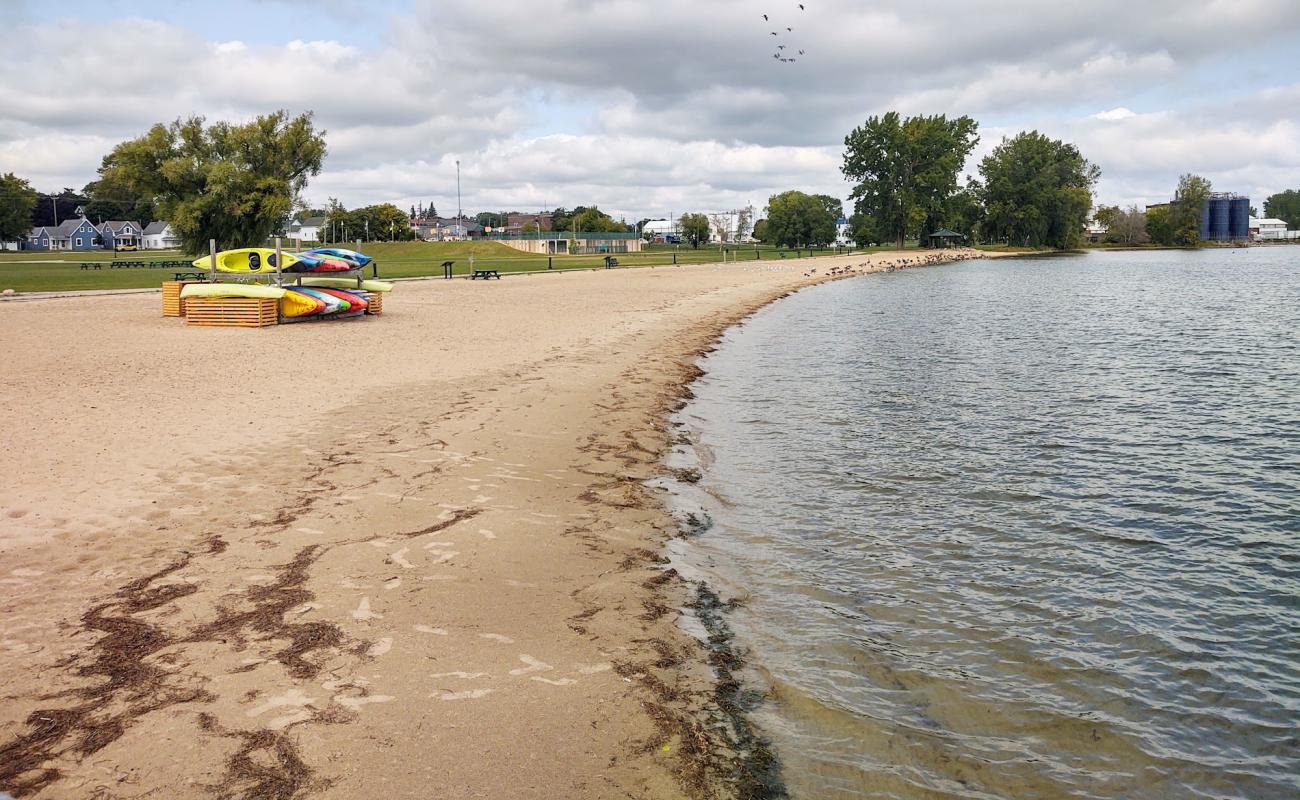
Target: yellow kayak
{"points": [[230, 290], [297, 304], [252, 260], [348, 283]]}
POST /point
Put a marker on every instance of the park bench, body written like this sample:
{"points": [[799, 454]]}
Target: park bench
{"points": [[610, 262], [91, 265], [485, 274]]}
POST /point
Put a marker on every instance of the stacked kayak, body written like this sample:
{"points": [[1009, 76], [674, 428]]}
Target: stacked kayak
{"points": [[315, 293]]}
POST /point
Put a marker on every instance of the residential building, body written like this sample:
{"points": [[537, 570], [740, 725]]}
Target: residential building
{"points": [[36, 239], [120, 235], [306, 229], [75, 234], [160, 235], [843, 233]]}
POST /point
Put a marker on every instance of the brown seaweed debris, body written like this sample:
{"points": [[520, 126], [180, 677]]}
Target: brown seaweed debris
{"points": [[119, 660]]}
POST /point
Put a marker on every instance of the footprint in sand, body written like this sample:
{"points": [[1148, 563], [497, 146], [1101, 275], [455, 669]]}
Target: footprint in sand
{"points": [[363, 611], [355, 703], [443, 556], [487, 534], [392, 583], [472, 694], [496, 637], [311, 531], [380, 647], [294, 698], [462, 675], [348, 583], [560, 682], [534, 665], [399, 558], [593, 669], [434, 631]]}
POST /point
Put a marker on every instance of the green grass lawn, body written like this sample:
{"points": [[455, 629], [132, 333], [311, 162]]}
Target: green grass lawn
{"points": [[61, 271]]}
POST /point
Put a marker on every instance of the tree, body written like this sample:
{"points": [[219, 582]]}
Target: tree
{"points": [[51, 209], [760, 231], [489, 219], [863, 230], [963, 212], [795, 219], [1123, 225], [695, 228], [1037, 191], [834, 206], [906, 169], [106, 201], [1160, 227], [1284, 206], [596, 221], [1185, 211], [744, 220], [721, 226], [17, 202], [232, 183]]}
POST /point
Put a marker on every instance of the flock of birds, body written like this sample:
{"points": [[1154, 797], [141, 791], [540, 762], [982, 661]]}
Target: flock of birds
{"points": [[780, 54]]}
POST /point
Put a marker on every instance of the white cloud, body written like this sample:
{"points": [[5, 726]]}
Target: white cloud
{"points": [[649, 108]]}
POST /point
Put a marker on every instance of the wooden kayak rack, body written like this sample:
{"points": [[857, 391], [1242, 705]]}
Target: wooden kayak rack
{"points": [[249, 312]]}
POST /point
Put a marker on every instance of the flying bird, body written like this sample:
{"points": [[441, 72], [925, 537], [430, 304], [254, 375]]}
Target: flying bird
{"points": [[790, 29], [765, 18], [801, 6], [774, 33], [800, 52], [780, 47]]}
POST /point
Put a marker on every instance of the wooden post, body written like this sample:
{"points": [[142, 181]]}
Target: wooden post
{"points": [[279, 280], [212, 261]]}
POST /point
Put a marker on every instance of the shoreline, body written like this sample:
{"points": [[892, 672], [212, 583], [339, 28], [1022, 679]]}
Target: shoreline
{"points": [[459, 561]]}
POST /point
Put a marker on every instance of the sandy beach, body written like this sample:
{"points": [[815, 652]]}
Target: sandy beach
{"points": [[411, 555]]}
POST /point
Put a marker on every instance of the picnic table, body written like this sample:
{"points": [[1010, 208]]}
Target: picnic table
{"points": [[190, 276], [485, 274], [91, 265]]}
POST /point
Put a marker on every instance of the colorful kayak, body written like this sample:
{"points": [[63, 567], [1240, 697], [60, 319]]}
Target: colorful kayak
{"points": [[349, 301], [300, 304], [349, 283], [256, 261], [333, 305], [231, 290], [313, 264], [356, 300], [360, 259]]}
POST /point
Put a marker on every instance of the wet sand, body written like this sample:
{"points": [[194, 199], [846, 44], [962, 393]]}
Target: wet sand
{"points": [[410, 554]]}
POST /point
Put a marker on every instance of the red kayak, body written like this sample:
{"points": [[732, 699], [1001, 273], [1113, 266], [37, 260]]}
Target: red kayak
{"points": [[354, 299]]}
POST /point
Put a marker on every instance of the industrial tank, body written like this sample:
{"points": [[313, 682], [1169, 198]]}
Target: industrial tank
{"points": [[1239, 218]]}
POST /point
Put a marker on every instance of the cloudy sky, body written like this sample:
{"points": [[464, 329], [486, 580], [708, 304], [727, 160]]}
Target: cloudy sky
{"points": [[654, 107]]}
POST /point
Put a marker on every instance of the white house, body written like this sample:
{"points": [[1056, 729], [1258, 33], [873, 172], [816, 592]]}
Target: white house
{"points": [[843, 233], [306, 229], [160, 236]]}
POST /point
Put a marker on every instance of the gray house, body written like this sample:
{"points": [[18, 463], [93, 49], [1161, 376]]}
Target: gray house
{"points": [[121, 234]]}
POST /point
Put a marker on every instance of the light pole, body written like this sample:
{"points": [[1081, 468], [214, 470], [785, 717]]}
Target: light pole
{"points": [[459, 213]]}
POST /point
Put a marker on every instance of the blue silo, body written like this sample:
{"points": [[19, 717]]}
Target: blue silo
{"points": [[1205, 221], [1219, 219], [1239, 218]]}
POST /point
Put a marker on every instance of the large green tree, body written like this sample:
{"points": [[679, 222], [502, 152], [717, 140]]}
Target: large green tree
{"points": [[384, 222], [1037, 191], [17, 202], [795, 219], [1285, 206], [1185, 211], [233, 183], [106, 201], [905, 169], [1160, 227], [963, 212], [760, 231], [694, 228]]}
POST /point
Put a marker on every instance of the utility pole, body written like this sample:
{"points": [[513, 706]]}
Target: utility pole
{"points": [[460, 214]]}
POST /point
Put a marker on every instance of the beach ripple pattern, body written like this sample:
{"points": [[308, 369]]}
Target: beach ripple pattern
{"points": [[1019, 529]]}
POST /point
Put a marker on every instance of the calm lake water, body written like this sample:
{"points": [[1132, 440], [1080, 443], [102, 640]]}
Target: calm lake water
{"points": [[1016, 529]]}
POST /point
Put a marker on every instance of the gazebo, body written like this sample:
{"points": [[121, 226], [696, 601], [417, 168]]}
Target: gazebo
{"points": [[945, 238]]}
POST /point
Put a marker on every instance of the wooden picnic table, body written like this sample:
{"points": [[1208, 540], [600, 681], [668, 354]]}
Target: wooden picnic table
{"points": [[485, 274]]}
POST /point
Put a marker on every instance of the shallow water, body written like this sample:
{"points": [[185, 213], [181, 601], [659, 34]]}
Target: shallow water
{"points": [[1017, 529]]}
